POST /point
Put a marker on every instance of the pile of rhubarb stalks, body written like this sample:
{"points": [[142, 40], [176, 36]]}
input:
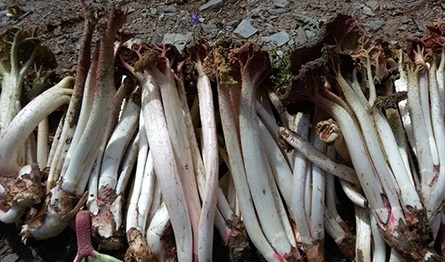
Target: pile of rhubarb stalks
{"points": [[162, 153]]}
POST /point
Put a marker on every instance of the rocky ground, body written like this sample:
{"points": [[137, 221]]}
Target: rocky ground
{"points": [[277, 25]]}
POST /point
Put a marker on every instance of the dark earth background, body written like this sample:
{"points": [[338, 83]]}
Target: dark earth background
{"points": [[277, 25]]}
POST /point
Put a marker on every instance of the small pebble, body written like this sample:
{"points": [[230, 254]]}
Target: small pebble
{"points": [[281, 3], [169, 9], [403, 27]]}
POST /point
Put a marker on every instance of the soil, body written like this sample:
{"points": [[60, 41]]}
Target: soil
{"points": [[59, 23]]}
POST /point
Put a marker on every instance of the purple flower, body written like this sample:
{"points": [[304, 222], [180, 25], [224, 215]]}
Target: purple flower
{"points": [[196, 19]]}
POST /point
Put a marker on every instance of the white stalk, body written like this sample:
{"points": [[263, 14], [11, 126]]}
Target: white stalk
{"points": [[425, 104], [30, 150], [127, 165], [317, 196], [405, 189], [307, 189], [224, 230], [92, 184], [363, 250], [317, 157], [379, 245], [166, 170], [146, 193], [211, 164], [383, 172], [12, 214], [2, 193], [438, 122], [142, 160], [81, 160], [355, 85], [155, 204], [359, 156], [270, 123], [226, 182], [333, 223], [12, 81], [282, 213], [222, 202], [280, 168], [333, 228], [10, 95], [190, 125], [331, 195], [232, 142], [181, 147], [73, 132], [401, 85], [117, 148], [256, 170], [42, 143], [85, 75], [97, 168], [394, 120], [302, 127], [421, 141], [440, 75], [353, 192], [70, 125], [117, 144], [155, 232], [223, 205], [73, 182], [27, 120]]}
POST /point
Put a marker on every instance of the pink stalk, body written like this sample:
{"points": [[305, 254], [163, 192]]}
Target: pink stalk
{"points": [[83, 232]]}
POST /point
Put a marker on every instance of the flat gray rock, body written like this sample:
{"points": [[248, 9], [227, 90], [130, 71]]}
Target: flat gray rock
{"points": [[374, 5], [279, 38], [169, 9], [212, 4], [421, 24], [281, 3], [375, 25], [208, 27], [11, 258], [368, 11], [277, 11], [245, 29], [233, 23], [178, 40]]}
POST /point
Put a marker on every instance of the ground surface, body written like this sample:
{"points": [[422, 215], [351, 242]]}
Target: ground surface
{"points": [[277, 25]]}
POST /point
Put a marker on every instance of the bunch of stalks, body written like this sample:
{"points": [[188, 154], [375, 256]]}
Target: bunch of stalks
{"points": [[162, 153]]}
